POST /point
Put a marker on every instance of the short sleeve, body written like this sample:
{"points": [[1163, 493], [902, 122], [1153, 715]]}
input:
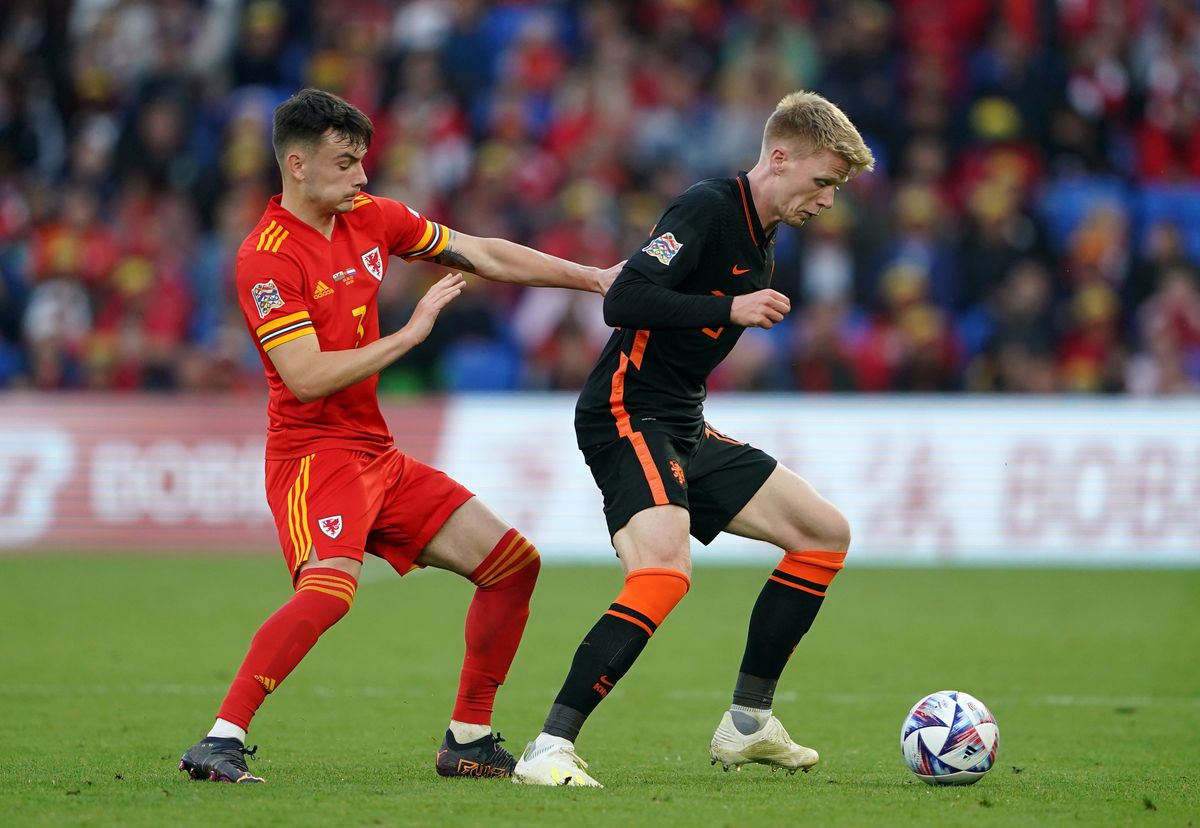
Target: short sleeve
{"points": [[409, 234], [678, 239], [272, 299]]}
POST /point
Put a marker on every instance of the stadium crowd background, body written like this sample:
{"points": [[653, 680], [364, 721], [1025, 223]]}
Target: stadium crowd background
{"points": [[1033, 224]]}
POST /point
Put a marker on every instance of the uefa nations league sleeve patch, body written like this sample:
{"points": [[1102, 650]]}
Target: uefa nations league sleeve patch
{"points": [[664, 248], [266, 297]]}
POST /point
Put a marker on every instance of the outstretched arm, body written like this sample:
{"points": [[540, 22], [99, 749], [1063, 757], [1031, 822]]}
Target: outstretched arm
{"points": [[503, 261], [311, 373], [637, 302]]}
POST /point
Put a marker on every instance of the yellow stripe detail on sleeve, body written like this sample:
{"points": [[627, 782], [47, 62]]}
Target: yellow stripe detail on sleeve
{"points": [[429, 229], [275, 343], [441, 245], [262, 237], [278, 241], [275, 324]]}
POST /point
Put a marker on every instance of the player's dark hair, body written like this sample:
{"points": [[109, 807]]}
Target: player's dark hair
{"points": [[307, 115]]}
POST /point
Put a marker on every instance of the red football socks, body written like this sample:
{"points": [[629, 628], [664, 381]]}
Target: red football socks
{"points": [[495, 622], [323, 596]]}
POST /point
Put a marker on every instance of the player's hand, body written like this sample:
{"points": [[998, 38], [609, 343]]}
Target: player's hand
{"points": [[437, 297], [606, 277], [761, 309]]}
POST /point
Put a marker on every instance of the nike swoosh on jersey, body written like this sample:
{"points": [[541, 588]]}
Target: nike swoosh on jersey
{"points": [[738, 271]]}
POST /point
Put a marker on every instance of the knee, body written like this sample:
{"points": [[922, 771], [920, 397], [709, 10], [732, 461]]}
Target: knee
{"points": [[839, 533], [832, 532], [676, 560]]}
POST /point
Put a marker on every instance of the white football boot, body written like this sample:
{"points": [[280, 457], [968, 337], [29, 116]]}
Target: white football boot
{"points": [[769, 745], [551, 760]]}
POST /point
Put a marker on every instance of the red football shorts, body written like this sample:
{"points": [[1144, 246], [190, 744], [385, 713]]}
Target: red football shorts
{"points": [[339, 504]]}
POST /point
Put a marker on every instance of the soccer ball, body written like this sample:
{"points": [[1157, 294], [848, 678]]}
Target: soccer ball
{"points": [[949, 738]]}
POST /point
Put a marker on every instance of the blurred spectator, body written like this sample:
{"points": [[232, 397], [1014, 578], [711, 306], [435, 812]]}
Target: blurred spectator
{"points": [[1031, 227]]}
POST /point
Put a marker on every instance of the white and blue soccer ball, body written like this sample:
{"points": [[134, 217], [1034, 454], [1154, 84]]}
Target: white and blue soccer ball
{"points": [[949, 738]]}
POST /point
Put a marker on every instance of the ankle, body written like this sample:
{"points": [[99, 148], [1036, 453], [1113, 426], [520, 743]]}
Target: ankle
{"points": [[464, 732], [749, 720], [222, 729]]}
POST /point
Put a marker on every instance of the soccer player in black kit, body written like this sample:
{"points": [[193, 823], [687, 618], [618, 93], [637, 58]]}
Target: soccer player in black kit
{"points": [[679, 306]]}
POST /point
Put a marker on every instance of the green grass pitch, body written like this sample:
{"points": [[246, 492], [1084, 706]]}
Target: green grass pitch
{"points": [[111, 667]]}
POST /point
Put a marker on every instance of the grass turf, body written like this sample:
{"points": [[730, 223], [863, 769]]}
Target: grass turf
{"points": [[113, 666]]}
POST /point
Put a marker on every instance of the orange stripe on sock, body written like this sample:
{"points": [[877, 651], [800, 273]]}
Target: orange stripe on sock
{"points": [[348, 597], [813, 565], [329, 581], [332, 583], [530, 556], [630, 619], [654, 591], [507, 549], [795, 586]]}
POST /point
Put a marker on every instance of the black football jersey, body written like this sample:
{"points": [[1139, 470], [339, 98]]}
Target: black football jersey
{"points": [[653, 373]]}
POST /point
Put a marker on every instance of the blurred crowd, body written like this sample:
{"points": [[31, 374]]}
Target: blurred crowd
{"points": [[1033, 223]]}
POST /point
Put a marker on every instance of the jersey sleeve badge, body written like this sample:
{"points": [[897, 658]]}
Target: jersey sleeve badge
{"points": [[266, 297], [664, 248]]}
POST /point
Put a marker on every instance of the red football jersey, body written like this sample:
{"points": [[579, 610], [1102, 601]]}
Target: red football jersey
{"points": [[293, 282]]}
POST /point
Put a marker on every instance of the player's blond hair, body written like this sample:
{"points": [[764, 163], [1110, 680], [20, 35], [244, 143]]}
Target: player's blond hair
{"points": [[813, 124]]}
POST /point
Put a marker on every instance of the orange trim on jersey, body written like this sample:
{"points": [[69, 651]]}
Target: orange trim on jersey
{"points": [[746, 210], [625, 428], [360, 200], [709, 331]]}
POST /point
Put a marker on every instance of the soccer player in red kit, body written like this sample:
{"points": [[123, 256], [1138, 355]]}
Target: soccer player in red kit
{"points": [[307, 280]]}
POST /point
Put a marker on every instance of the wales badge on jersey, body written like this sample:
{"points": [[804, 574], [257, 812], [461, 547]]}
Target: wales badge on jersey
{"points": [[373, 261]]}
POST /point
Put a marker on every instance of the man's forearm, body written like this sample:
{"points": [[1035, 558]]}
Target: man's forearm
{"points": [[327, 372], [636, 302], [503, 261]]}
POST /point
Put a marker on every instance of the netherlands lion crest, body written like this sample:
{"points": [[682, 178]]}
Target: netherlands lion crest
{"points": [[677, 472]]}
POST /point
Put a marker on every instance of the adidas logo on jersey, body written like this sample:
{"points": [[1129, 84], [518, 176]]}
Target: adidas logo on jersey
{"points": [[322, 290]]}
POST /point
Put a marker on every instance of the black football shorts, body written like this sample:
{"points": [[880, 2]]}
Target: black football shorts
{"points": [[712, 476]]}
